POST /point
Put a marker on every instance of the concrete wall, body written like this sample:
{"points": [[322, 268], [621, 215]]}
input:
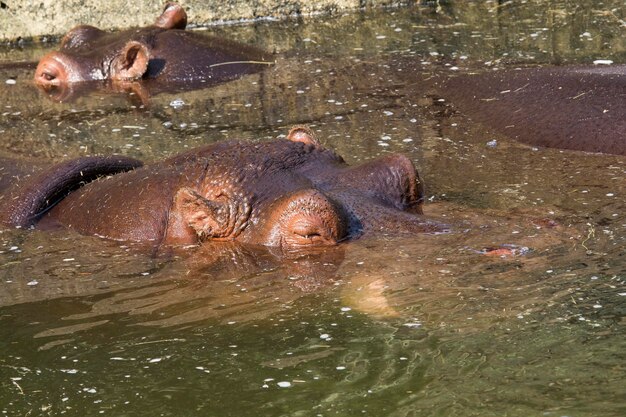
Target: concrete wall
{"points": [[36, 18]]}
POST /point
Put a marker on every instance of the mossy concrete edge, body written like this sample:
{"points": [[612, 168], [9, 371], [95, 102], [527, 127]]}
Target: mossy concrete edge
{"points": [[25, 19]]}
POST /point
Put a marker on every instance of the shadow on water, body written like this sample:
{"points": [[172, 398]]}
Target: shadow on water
{"points": [[518, 312]]}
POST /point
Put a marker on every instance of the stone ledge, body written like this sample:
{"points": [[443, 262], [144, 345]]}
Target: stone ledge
{"points": [[37, 18]]}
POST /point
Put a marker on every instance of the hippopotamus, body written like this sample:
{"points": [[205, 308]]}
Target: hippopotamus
{"points": [[573, 107], [287, 193], [163, 51]]}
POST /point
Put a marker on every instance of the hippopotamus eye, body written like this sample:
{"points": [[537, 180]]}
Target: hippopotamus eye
{"points": [[80, 36]]}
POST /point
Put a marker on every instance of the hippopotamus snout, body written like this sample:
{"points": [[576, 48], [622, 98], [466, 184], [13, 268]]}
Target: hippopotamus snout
{"points": [[54, 70]]}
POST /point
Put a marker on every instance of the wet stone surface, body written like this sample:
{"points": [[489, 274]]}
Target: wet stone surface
{"points": [[519, 311]]}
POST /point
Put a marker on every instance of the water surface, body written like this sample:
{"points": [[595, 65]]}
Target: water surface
{"points": [[384, 325]]}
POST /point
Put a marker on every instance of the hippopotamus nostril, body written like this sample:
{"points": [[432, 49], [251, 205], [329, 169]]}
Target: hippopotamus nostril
{"points": [[47, 76]]}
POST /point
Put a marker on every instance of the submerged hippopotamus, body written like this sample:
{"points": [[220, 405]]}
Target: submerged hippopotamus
{"points": [[286, 193], [578, 108], [163, 51]]}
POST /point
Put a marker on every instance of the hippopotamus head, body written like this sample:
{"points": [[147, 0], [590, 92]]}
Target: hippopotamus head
{"points": [[292, 194], [287, 194], [117, 58], [163, 50]]}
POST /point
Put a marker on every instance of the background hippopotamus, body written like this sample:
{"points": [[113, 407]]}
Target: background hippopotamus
{"points": [[163, 51], [284, 193], [579, 108]]}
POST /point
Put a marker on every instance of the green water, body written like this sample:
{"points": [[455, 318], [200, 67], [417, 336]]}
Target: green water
{"points": [[382, 326]]}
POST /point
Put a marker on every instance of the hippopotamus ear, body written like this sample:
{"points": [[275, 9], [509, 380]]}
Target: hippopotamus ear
{"points": [[303, 134], [190, 210], [173, 17], [132, 63]]}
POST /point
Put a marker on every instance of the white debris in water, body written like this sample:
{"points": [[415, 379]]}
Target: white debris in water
{"points": [[388, 113], [155, 360], [33, 283], [602, 62], [407, 140], [10, 81], [90, 390], [610, 194], [177, 103], [585, 35], [380, 37], [340, 368], [13, 248], [413, 325], [68, 259], [345, 309], [325, 336], [492, 143], [69, 371], [597, 306], [284, 384], [167, 125], [622, 294]]}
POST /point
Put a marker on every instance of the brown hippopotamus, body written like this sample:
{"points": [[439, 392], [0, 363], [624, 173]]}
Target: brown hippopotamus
{"points": [[163, 51], [580, 108], [285, 193]]}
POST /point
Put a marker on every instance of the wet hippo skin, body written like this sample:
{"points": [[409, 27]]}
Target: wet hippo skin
{"points": [[163, 52], [29, 188], [578, 108], [290, 193]]}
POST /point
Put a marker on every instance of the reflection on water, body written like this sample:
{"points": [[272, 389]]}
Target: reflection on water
{"points": [[385, 325]]}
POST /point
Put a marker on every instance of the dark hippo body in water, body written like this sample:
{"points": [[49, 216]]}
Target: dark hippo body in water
{"points": [[579, 108]]}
